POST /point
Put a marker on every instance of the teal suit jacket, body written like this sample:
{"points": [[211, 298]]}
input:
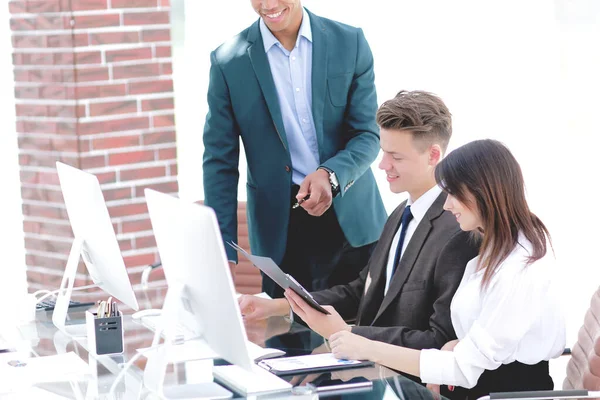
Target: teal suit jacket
{"points": [[243, 103]]}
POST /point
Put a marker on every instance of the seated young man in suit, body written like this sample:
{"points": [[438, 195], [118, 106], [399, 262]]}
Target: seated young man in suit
{"points": [[403, 295]]}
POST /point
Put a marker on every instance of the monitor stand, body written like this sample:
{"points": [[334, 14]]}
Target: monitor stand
{"points": [[254, 382], [59, 316], [158, 357]]}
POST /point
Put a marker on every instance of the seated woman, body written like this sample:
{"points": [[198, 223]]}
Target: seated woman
{"points": [[506, 312]]}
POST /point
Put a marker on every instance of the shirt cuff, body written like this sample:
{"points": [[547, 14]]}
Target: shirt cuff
{"points": [[437, 367]]}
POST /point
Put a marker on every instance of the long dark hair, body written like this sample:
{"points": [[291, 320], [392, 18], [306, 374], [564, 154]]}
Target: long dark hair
{"points": [[488, 171]]}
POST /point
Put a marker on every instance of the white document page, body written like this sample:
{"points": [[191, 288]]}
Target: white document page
{"points": [[311, 361]]}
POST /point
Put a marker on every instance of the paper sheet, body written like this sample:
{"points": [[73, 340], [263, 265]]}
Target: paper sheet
{"points": [[19, 372], [312, 361], [33, 393]]}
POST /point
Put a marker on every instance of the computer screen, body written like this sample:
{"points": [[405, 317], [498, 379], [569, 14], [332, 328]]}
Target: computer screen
{"points": [[91, 225], [191, 250]]}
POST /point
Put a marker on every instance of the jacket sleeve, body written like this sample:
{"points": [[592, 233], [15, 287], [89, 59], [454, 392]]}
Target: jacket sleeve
{"points": [[221, 156], [449, 270], [344, 298], [360, 126]]}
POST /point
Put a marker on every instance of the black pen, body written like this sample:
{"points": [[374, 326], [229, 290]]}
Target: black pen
{"points": [[299, 202]]}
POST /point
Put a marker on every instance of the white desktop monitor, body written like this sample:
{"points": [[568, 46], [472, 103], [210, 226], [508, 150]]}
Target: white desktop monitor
{"points": [[201, 295], [192, 254], [95, 241]]}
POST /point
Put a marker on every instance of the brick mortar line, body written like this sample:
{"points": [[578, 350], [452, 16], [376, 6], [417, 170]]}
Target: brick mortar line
{"points": [[115, 117], [136, 234], [40, 253], [63, 239], [54, 272], [142, 96], [62, 206], [96, 136], [101, 12], [45, 220], [157, 146], [91, 47], [137, 252], [124, 150], [115, 168], [63, 222], [99, 29], [37, 67], [125, 81], [99, 118]]}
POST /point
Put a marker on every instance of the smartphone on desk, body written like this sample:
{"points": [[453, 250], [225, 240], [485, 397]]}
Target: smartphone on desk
{"points": [[338, 385], [335, 387]]}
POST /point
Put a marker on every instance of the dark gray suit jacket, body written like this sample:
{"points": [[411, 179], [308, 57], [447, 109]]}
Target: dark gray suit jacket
{"points": [[415, 312]]}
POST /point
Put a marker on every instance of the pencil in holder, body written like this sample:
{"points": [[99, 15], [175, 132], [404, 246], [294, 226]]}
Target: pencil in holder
{"points": [[105, 335]]}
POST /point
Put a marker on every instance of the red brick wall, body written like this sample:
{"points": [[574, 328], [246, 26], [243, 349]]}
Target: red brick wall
{"points": [[247, 276], [94, 89]]}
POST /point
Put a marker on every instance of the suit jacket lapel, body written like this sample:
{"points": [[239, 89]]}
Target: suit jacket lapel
{"points": [[319, 73], [378, 270], [407, 262], [262, 69]]}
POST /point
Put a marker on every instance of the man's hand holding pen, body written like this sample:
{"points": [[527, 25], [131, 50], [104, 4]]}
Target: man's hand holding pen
{"points": [[315, 193], [299, 202]]}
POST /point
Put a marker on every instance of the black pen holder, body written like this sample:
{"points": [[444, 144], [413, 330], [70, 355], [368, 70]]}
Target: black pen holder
{"points": [[104, 335]]}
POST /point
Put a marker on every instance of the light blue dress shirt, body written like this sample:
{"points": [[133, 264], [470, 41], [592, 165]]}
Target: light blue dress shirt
{"points": [[292, 74]]}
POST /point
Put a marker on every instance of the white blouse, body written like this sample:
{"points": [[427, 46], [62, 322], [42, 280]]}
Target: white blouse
{"points": [[517, 318]]}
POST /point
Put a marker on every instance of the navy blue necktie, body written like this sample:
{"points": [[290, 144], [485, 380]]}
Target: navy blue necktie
{"points": [[406, 217]]}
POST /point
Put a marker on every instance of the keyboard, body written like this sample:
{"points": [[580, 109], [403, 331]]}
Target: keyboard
{"points": [[4, 346], [259, 381], [152, 321], [48, 305]]}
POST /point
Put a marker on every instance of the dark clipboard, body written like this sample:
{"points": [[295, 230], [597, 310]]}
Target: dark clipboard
{"points": [[272, 270], [271, 366]]}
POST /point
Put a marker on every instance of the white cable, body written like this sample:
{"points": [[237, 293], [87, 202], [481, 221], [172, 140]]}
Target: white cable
{"points": [[134, 359], [40, 291], [55, 292]]}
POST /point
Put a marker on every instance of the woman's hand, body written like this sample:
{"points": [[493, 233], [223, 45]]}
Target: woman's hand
{"points": [[349, 346], [435, 389], [450, 345]]}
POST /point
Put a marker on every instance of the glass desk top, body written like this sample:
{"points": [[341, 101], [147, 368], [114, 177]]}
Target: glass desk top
{"points": [[41, 338]]}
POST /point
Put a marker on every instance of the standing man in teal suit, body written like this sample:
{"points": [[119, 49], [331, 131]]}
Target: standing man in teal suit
{"points": [[299, 90]]}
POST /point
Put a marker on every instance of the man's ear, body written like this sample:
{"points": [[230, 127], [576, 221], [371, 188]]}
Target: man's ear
{"points": [[435, 154]]}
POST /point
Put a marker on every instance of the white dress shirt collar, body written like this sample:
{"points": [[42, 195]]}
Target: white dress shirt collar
{"points": [[419, 207]]}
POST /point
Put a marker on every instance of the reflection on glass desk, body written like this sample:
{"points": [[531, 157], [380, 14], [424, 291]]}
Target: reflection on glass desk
{"points": [[43, 339]]}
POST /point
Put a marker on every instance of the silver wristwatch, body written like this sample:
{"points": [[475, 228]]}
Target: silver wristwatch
{"points": [[335, 185]]}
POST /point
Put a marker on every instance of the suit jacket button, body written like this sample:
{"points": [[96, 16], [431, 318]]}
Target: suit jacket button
{"points": [[287, 168]]}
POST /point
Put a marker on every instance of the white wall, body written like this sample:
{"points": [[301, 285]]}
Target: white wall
{"points": [[12, 248], [523, 72], [204, 30]]}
